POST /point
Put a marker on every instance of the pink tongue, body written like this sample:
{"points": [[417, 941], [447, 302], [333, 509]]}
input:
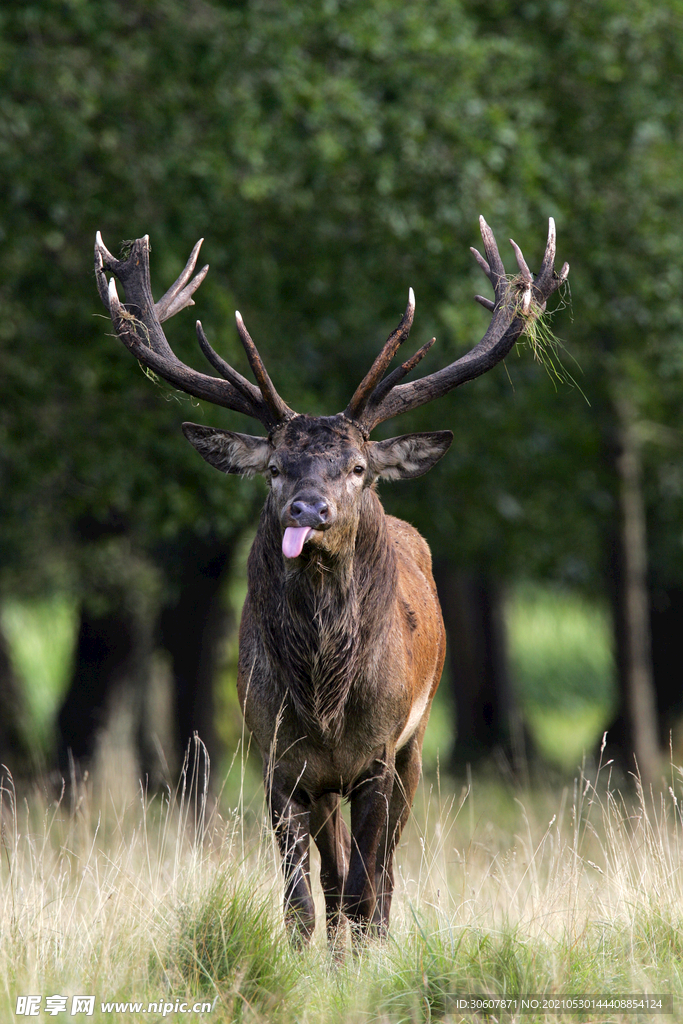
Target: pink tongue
{"points": [[294, 539]]}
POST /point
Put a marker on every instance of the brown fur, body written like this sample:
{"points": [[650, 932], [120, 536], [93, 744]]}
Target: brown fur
{"points": [[338, 648]]}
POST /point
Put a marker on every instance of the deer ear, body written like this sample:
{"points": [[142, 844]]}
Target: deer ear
{"points": [[401, 458], [228, 451]]}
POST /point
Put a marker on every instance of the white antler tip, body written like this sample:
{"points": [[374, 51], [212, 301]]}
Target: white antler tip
{"points": [[238, 317], [411, 297], [113, 295], [98, 238]]}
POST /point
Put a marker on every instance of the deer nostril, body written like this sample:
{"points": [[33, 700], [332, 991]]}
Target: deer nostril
{"points": [[310, 511]]}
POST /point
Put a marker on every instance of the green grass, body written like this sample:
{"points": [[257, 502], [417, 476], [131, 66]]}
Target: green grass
{"points": [[498, 892], [229, 945]]}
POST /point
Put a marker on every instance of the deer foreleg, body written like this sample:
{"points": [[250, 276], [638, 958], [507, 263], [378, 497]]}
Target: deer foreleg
{"points": [[332, 838], [290, 820], [407, 776], [370, 801]]}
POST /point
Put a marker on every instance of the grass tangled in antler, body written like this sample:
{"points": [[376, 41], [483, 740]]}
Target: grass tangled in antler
{"points": [[140, 329], [538, 335], [126, 248]]}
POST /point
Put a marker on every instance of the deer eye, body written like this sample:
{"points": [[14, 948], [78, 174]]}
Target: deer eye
{"points": [[274, 471], [359, 470]]}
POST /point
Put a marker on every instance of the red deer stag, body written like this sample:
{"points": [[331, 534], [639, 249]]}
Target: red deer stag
{"points": [[341, 640]]}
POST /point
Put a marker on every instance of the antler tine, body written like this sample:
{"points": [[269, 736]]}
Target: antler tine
{"points": [[481, 261], [138, 325], [507, 324], [548, 265], [114, 303], [102, 254], [392, 379], [280, 409], [178, 296], [225, 369], [526, 276], [363, 392], [133, 273], [494, 268], [211, 389], [521, 263]]}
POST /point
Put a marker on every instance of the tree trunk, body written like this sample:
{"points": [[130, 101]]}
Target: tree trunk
{"points": [[666, 630], [193, 626], [115, 647], [487, 722], [635, 730], [111, 649]]}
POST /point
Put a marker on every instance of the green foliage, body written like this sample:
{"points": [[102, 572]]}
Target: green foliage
{"points": [[562, 665], [41, 637], [560, 650], [331, 155], [565, 737], [608, 76]]}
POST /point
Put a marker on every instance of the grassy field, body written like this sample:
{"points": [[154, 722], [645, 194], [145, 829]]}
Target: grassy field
{"points": [[111, 894], [170, 901]]}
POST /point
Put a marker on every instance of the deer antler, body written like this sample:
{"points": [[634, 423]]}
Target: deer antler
{"points": [[374, 375], [377, 400], [138, 325]]}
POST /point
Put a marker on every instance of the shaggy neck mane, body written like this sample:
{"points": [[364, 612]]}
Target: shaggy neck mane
{"points": [[322, 622]]}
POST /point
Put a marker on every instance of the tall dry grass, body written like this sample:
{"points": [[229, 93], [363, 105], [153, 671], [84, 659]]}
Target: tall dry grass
{"points": [[110, 891]]}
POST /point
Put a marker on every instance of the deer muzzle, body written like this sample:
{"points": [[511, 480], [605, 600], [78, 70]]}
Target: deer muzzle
{"points": [[310, 514]]}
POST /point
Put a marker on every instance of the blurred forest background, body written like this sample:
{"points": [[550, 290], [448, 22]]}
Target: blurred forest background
{"points": [[334, 154]]}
